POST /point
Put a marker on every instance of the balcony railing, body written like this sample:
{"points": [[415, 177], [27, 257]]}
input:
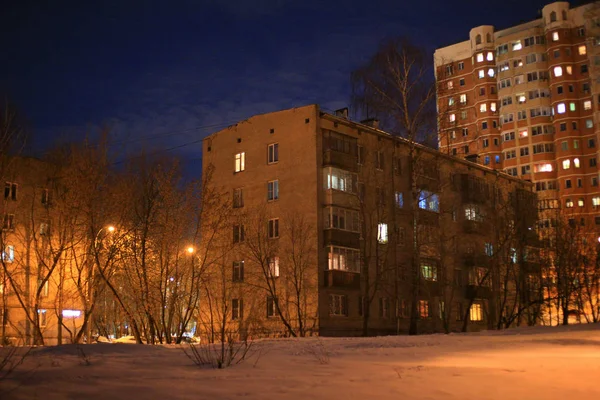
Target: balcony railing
{"points": [[343, 279]]}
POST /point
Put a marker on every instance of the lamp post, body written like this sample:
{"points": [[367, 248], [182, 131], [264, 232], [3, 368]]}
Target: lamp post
{"points": [[91, 280]]}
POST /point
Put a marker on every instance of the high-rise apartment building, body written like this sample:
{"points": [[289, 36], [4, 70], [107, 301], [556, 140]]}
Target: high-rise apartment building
{"points": [[322, 225], [525, 100]]}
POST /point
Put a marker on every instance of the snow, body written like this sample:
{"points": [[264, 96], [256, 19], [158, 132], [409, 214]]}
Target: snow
{"points": [[533, 363]]}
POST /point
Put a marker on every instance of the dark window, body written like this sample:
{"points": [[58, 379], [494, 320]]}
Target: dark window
{"points": [[238, 271], [237, 309], [238, 233], [271, 306]]}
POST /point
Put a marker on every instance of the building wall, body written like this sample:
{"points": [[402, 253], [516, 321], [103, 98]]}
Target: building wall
{"points": [[317, 152], [27, 242]]}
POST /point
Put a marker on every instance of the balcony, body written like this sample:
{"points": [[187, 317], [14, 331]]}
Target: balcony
{"points": [[341, 160], [472, 259], [334, 197], [339, 237], [472, 226], [342, 279], [472, 189], [477, 292], [429, 218]]}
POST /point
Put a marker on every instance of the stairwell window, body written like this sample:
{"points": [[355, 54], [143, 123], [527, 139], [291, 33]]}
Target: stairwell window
{"points": [[238, 198], [240, 162], [237, 309], [273, 190], [271, 307], [42, 314], [273, 264], [238, 233], [273, 153], [238, 271], [273, 228]]}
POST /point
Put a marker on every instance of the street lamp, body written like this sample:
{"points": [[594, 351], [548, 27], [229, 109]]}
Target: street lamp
{"points": [[191, 249]]}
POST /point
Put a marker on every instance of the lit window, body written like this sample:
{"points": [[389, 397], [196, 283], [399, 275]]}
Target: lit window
{"points": [[399, 199], [476, 312], [483, 107], [580, 202], [582, 50], [555, 36], [517, 45], [569, 69], [558, 71], [521, 98], [382, 233], [340, 258], [429, 201], [596, 201], [71, 313], [481, 73], [273, 153], [9, 254], [566, 164], [493, 107], [339, 179], [452, 117], [561, 108], [273, 267], [543, 167], [572, 107], [523, 133], [240, 162], [587, 105], [450, 85], [450, 101], [429, 272], [576, 163], [480, 57], [491, 72], [463, 98], [42, 318], [569, 203], [423, 309], [490, 56]]}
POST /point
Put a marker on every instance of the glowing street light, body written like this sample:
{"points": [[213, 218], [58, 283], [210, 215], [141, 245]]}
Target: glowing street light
{"points": [[110, 228], [190, 250]]}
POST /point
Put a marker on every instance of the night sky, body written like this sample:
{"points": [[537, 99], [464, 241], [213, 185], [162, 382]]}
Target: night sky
{"points": [[163, 74]]}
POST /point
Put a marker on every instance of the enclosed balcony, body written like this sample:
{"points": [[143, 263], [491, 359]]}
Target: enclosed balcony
{"points": [[342, 279]]}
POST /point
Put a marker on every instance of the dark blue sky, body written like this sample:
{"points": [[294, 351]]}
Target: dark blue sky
{"points": [[148, 68]]}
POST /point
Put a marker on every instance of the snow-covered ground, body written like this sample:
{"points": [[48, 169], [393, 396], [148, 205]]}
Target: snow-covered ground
{"points": [[528, 363]]}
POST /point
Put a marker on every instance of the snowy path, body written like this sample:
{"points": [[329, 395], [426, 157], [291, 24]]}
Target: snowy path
{"points": [[538, 363]]}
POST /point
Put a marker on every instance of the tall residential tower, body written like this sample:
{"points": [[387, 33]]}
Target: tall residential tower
{"points": [[525, 100]]}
